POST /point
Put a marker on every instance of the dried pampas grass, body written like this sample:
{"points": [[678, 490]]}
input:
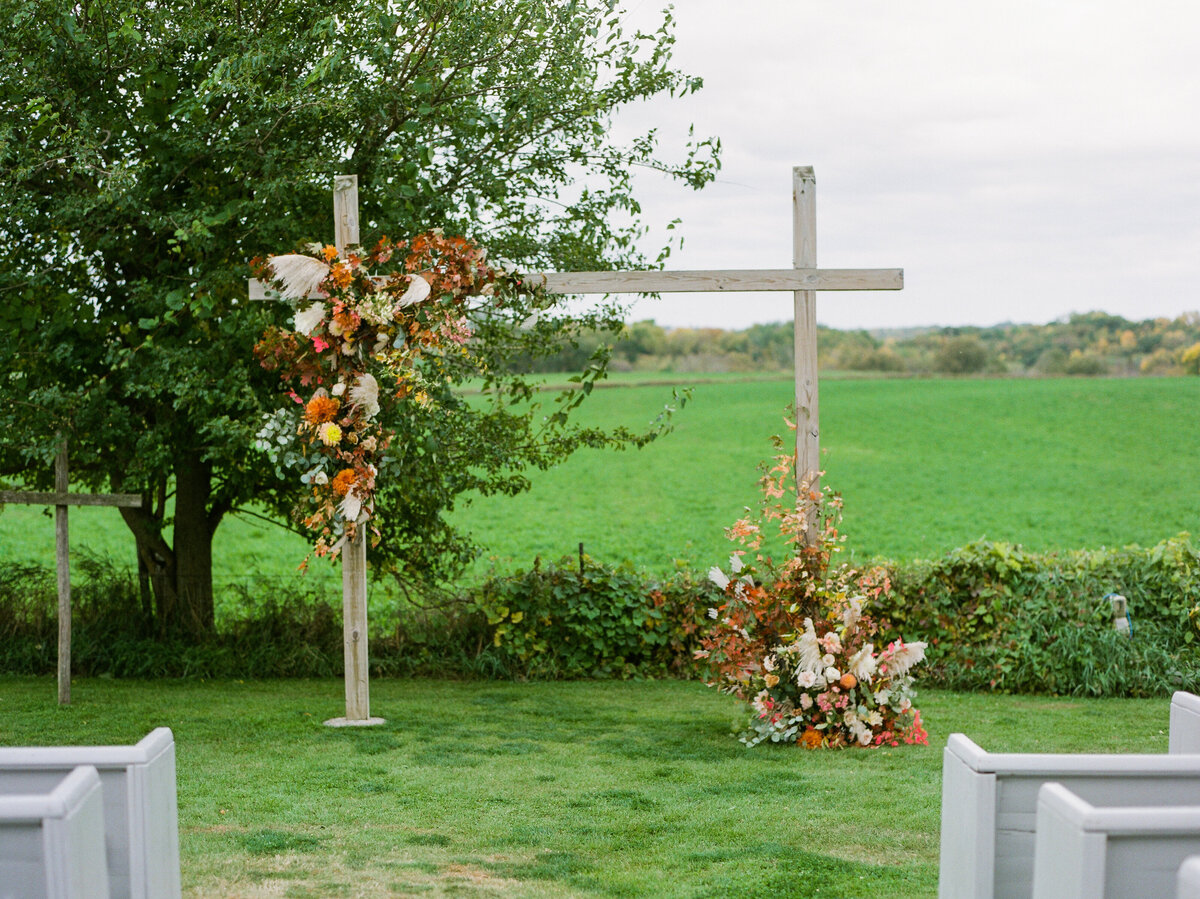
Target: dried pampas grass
{"points": [[300, 275]]}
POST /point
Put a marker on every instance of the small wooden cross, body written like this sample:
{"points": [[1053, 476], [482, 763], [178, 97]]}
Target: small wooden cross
{"points": [[61, 500]]}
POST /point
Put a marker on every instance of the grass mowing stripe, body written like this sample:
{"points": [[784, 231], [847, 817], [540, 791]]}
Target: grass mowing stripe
{"points": [[545, 789]]}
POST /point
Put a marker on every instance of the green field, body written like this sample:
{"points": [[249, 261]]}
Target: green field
{"points": [[924, 466], [579, 789]]}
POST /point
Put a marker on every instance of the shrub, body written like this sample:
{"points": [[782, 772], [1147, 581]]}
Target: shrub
{"points": [[960, 356], [550, 622], [999, 618], [594, 621]]}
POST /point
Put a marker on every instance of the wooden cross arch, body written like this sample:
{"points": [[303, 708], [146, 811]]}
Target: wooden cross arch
{"points": [[803, 279], [62, 500]]}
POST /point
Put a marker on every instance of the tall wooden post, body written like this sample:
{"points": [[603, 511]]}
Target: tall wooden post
{"points": [[62, 554], [354, 553], [808, 430]]}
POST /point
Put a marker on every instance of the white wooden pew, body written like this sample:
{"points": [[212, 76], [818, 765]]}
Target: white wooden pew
{"points": [[52, 842], [1185, 723], [1187, 881], [141, 819], [989, 807], [1088, 851]]}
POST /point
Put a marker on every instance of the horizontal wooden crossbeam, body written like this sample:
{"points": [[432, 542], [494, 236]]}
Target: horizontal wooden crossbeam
{"points": [[784, 279], [128, 500]]}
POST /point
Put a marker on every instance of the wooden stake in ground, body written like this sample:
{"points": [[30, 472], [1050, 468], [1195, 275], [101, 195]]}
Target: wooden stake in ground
{"points": [[61, 500]]}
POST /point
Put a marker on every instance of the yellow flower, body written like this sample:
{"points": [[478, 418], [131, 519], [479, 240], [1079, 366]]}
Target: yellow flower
{"points": [[330, 434], [771, 679]]}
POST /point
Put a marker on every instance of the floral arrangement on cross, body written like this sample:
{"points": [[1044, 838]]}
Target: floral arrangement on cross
{"points": [[795, 640], [363, 339]]}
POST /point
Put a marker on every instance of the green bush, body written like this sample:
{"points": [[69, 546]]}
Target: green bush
{"points": [[996, 618], [548, 622], [999, 618], [594, 621]]}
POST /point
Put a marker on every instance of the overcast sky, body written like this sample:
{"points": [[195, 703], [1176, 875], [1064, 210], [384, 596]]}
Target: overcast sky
{"points": [[1019, 160]]}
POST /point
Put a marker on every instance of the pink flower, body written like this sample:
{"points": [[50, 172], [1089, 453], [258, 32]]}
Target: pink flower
{"points": [[295, 397], [319, 344]]}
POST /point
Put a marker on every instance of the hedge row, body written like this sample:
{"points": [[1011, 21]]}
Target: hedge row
{"points": [[995, 617], [1000, 618]]}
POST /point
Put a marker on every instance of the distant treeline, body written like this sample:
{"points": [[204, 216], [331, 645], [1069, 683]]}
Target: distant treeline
{"points": [[1092, 343]]}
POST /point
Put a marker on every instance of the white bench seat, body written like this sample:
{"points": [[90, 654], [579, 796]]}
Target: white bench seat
{"points": [[52, 842], [141, 818], [1089, 851], [989, 807]]}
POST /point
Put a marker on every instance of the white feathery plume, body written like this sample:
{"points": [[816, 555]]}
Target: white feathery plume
{"points": [[853, 611], [306, 320], [862, 663], [418, 290], [735, 563], [350, 506], [365, 393], [718, 577], [902, 657], [810, 649], [300, 275]]}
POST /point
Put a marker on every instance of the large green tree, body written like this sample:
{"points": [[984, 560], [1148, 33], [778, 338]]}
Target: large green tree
{"points": [[150, 148]]}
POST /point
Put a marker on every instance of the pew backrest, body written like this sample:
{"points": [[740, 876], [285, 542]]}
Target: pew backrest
{"points": [[52, 842], [989, 807], [1184, 735], [141, 816], [1085, 851]]}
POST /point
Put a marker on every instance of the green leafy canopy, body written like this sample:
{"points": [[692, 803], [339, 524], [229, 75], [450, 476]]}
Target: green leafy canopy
{"points": [[149, 150]]}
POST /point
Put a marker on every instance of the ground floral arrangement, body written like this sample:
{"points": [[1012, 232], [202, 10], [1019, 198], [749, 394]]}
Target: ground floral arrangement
{"points": [[365, 339], [796, 641]]}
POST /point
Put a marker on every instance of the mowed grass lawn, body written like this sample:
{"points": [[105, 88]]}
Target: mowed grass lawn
{"points": [[545, 789], [924, 466]]}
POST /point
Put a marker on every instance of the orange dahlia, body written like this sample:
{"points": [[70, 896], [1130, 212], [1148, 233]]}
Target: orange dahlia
{"points": [[321, 409], [811, 739], [343, 481]]}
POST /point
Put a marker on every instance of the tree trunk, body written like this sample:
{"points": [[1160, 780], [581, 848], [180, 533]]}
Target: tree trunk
{"points": [[193, 547], [180, 576]]}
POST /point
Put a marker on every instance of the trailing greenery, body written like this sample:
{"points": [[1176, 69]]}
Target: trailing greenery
{"points": [[1000, 618], [996, 618]]}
